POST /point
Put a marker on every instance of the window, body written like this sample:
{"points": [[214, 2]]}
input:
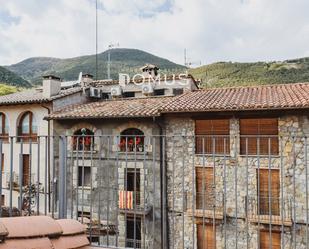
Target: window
{"points": [[84, 178], [4, 126], [105, 96], [27, 129], [133, 185], [159, 92], [260, 133], [206, 236], [205, 197], [212, 135], [2, 202], [83, 139], [129, 94], [131, 140], [26, 170], [178, 91], [268, 201], [265, 240], [133, 232], [2, 163]]}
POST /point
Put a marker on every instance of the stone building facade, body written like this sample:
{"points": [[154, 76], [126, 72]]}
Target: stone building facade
{"points": [[262, 143]]}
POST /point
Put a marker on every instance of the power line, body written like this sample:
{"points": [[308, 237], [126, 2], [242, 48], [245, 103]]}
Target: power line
{"points": [[96, 39]]}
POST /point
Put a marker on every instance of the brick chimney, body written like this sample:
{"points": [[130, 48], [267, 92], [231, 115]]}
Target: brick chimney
{"points": [[51, 86]]}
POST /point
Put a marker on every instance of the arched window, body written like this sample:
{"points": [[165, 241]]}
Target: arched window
{"points": [[27, 127], [132, 139], [4, 126], [83, 139]]}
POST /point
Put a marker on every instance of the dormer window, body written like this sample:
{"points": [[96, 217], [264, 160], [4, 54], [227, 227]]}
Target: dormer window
{"points": [[4, 126], [27, 128]]}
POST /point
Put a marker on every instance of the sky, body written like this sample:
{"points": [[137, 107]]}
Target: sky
{"points": [[210, 30]]}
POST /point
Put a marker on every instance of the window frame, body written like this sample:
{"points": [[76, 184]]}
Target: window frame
{"points": [[257, 139], [208, 137], [31, 135], [4, 120]]}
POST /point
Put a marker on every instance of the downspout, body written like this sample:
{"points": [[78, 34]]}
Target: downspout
{"points": [[163, 190], [48, 159]]}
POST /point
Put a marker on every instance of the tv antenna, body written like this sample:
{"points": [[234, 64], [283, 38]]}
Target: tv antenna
{"points": [[189, 63], [110, 47]]}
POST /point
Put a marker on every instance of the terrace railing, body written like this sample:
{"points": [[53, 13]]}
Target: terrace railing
{"points": [[191, 192]]}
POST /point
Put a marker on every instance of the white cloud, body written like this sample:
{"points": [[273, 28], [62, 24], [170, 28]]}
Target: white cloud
{"points": [[211, 30]]}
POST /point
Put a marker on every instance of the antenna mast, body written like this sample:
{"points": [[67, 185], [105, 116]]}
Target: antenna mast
{"points": [[110, 47], [96, 39]]}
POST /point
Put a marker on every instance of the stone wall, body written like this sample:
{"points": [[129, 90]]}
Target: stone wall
{"points": [[233, 173], [108, 166]]}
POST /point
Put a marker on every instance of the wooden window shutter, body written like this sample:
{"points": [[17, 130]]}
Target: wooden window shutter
{"points": [[206, 236], [212, 134], [267, 131], [265, 240], [269, 199], [205, 197]]}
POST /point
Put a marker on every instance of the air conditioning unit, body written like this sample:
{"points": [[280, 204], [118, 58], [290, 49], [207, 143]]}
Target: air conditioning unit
{"points": [[116, 91], [95, 93], [147, 89]]}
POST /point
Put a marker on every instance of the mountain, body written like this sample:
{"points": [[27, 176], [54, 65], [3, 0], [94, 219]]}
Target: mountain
{"points": [[123, 60], [10, 78], [222, 74]]}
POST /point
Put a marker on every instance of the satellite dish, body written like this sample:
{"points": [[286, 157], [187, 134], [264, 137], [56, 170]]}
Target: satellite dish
{"points": [[80, 77]]}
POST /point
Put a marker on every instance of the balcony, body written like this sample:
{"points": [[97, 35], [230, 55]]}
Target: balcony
{"points": [[133, 243], [265, 210], [129, 202]]}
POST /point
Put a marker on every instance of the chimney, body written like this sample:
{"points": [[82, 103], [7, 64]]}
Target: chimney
{"points": [[87, 78], [150, 71], [51, 86]]}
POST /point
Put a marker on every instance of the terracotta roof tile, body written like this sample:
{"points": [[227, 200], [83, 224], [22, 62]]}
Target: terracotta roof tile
{"points": [[43, 232], [70, 242], [34, 96], [285, 96], [42, 243], [125, 108], [71, 227], [37, 226]]}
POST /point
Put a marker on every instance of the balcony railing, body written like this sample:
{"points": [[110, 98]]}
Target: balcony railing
{"points": [[169, 206], [133, 243]]}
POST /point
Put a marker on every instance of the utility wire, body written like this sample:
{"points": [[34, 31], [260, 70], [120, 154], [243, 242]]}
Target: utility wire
{"points": [[96, 39]]}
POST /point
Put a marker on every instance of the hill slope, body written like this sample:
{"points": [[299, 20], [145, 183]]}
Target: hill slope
{"points": [[123, 60], [10, 78], [223, 74]]}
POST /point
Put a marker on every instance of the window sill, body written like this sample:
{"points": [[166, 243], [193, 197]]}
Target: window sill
{"points": [[211, 155], [260, 156], [84, 151]]}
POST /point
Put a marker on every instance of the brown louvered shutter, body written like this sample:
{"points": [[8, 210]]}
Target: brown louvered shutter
{"points": [[268, 199], [206, 236], [26, 170], [265, 240], [266, 129], [212, 133], [204, 188]]}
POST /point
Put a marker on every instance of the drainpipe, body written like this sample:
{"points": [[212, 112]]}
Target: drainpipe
{"points": [[163, 190], [48, 159]]}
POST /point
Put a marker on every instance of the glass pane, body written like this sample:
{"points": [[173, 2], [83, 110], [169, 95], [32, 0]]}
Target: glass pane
{"points": [[25, 124], [6, 125], [34, 125]]}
